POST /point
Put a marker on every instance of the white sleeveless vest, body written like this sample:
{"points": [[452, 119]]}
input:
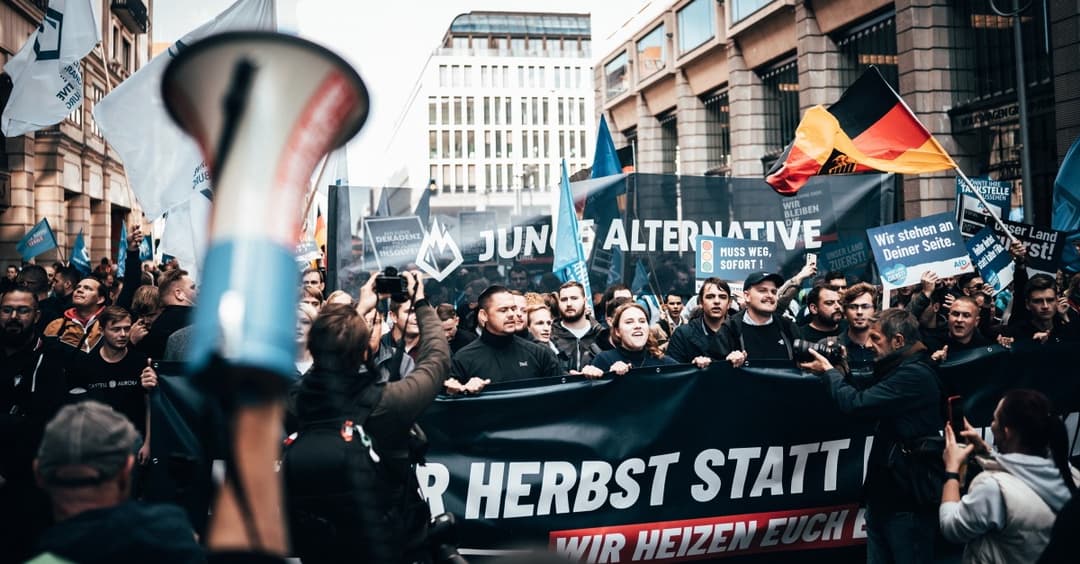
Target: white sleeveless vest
{"points": [[1028, 521]]}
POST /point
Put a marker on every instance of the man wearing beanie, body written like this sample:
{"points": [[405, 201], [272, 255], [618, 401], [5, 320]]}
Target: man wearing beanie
{"points": [[84, 465]]}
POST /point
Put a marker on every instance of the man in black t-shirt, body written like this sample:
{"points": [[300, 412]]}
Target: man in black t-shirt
{"points": [[826, 312], [757, 333], [114, 375]]}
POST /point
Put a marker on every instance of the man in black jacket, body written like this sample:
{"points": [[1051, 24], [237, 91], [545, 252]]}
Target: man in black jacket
{"points": [[694, 338], [498, 355], [758, 333], [178, 293], [905, 399]]}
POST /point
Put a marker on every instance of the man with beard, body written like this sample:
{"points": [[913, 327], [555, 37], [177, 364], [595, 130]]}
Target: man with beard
{"points": [[498, 355], [65, 278], [22, 417], [826, 312], [114, 375], [905, 400], [77, 329], [758, 333], [859, 309], [574, 333], [694, 338]]}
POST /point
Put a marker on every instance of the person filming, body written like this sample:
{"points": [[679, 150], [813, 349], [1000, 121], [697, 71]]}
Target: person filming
{"points": [[345, 414], [1010, 507]]}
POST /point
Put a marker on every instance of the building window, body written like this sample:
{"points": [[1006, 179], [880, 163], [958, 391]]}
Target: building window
{"points": [[468, 75], [545, 114], [446, 144], [718, 131], [432, 111], [433, 174], [472, 178], [97, 92], [535, 112], [525, 143], [547, 152], [509, 144], [447, 180], [459, 178], [445, 107], [470, 110], [498, 145], [562, 112], [573, 144], [536, 143], [740, 9], [457, 145], [650, 52], [781, 107], [498, 110], [444, 76], [581, 111], [472, 144], [558, 77], [547, 175], [433, 144], [616, 76], [695, 24], [870, 43], [524, 111], [487, 111], [487, 177], [457, 111], [487, 144], [584, 153], [509, 119], [126, 54], [485, 76], [985, 56], [669, 144]]}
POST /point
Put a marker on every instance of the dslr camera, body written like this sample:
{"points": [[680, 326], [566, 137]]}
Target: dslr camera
{"points": [[390, 282], [830, 349]]}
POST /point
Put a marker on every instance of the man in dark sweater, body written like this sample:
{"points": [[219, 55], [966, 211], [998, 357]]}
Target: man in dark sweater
{"points": [[960, 334], [178, 294], [498, 355], [757, 333]]}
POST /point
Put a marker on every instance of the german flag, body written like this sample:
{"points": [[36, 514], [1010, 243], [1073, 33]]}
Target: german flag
{"points": [[869, 129]]}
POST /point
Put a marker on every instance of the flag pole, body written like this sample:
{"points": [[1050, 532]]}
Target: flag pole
{"points": [[312, 191], [989, 210]]}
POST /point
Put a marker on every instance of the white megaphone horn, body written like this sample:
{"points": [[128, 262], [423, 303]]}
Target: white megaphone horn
{"points": [[264, 108]]}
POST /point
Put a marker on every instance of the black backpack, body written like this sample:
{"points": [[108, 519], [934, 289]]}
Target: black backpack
{"points": [[339, 497]]}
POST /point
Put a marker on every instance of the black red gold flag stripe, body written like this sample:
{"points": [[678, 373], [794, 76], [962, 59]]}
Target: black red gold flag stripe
{"points": [[870, 128]]}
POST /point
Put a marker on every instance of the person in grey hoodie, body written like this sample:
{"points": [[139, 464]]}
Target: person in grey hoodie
{"points": [[1009, 510]]}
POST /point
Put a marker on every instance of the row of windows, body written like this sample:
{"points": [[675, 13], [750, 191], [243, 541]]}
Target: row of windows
{"points": [[501, 76], [497, 110], [497, 144], [498, 177], [521, 46]]}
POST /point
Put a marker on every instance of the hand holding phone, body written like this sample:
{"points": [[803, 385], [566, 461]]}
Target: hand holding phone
{"points": [[956, 417]]}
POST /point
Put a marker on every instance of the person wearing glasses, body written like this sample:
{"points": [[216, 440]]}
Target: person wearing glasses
{"points": [[860, 306]]}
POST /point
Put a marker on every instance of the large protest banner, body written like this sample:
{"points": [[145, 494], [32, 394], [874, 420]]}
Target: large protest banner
{"points": [[664, 465], [851, 256], [1044, 246], [905, 250], [971, 214]]}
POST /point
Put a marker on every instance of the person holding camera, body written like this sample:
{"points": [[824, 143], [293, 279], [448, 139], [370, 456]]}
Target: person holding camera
{"points": [[1010, 507], [337, 505], [901, 491], [758, 333]]}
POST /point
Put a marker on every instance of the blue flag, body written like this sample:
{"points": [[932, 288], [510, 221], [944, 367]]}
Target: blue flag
{"points": [[80, 255], [121, 251], [1067, 205], [569, 262], [39, 239], [146, 249], [423, 208], [602, 206], [640, 285]]}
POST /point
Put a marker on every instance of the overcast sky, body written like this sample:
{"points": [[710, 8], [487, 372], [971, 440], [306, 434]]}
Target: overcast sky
{"points": [[388, 43]]}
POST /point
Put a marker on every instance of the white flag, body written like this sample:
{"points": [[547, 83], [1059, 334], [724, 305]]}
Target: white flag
{"points": [[163, 164], [185, 233], [46, 73]]}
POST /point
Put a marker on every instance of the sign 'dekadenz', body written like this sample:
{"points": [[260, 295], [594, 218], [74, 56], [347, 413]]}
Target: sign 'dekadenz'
{"points": [[905, 250]]}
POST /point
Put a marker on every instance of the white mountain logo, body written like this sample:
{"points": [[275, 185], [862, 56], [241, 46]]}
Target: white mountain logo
{"points": [[439, 255]]}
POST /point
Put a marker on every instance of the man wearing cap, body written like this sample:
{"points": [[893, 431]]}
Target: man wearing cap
{"points": [[84, 463], [758, 332]]}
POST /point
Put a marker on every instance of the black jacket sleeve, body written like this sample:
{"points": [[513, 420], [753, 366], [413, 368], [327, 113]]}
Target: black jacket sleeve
{"points": [[407, 398], [549, 363], [891, 395], [132, 279]]}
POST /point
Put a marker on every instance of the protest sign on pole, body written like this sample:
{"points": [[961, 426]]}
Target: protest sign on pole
{"points": [[732, 260], [971, 214], [1044, 246], [992, 258], [395, 241], [39, 239], [905, 250]]}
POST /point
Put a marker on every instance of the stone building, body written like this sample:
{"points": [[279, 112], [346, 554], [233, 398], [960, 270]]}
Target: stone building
{"points": [[719, 87], [68, 173]]}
